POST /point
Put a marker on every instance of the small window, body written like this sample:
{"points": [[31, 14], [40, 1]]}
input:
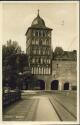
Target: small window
{"points": [[39, 33], [36, 34], [33, 33], [40, 42]]}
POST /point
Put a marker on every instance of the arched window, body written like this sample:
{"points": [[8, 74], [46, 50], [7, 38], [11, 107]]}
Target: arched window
{"points": [[46, 51], [47, 42], [33, 42], [39, 33], [33, 33], [40, 42], [37, 70], [49, 70], [39, 51], [39, 60], [42, 33], [43, 52], [33, 60], [32, 70], [34, 51], [48, 61], [42, 70], [36, 34]]}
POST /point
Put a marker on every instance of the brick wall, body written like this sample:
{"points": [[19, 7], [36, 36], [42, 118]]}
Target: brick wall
{"points": [[64, 71]]}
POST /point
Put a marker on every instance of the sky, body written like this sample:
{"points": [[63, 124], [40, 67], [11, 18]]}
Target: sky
{"points": [[61, 17]]}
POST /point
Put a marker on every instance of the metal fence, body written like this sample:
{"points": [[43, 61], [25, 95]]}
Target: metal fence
{"points": [[11, 97]]}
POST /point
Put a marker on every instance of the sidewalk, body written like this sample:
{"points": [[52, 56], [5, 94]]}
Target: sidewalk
{"points": [[45, 111]]}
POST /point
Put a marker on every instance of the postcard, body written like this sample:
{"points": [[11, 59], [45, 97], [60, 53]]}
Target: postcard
{"points": [[40, 62]]}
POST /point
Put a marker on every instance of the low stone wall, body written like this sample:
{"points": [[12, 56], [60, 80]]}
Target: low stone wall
{"points": [[11, 97]]}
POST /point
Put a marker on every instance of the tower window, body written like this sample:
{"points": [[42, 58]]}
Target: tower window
{"points": [[44, 42], [34, 51], [33, 33], [43, 33], [39, 33], [49, 61], [39, 51], [36, 60], [39, 60], [49, 71], [48, 52], [44, 52], [33, 60], [44, 60], [33, 42], [36, 33], [36, 42], [40, 42], [32, 70]]}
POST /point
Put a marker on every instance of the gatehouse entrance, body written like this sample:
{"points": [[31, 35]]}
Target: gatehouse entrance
{"points": [[54, 85], [41, 84], [66, 86]]}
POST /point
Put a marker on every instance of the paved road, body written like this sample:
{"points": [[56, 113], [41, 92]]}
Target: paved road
{"points": [[45, 111], [39, 107]]}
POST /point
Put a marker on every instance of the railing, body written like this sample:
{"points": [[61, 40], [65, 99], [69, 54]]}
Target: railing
{"points": [[11, 97]]}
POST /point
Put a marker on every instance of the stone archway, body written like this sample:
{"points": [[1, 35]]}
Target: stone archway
{"points": [[54, 85], [66, 86], [41, 84]]}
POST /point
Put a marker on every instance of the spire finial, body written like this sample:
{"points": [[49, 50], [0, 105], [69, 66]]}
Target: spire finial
{"points": [[38, 12]]}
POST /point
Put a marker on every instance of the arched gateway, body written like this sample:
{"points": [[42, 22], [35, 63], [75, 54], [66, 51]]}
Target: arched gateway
{"points": [[54, 85], [41, 84], [66, 86], [38, 43]]}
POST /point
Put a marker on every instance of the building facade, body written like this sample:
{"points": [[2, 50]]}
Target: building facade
{"points": [[47, 72], [38, 47]]}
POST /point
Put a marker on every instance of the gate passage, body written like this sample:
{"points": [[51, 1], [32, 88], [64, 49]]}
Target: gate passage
{"points": [[41, 84], [66, 86], [54, 85]]}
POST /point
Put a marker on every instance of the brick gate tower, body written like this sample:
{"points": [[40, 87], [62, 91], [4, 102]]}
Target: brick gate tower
{"points": [[38, 48], [48, 74]]}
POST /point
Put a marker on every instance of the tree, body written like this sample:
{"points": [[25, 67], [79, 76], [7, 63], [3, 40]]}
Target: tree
{"points": [[14, 62], [58, 51], [10, 49]]}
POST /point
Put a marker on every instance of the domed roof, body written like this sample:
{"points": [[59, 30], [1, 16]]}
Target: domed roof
{"points": [[38, 21]]}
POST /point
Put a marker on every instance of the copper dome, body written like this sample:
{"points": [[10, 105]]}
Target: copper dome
{"points": [[38, 21]]}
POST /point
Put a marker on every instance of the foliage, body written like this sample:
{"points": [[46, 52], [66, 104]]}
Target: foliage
{"points": [[58, 51], [13, 62], [60, 54]]}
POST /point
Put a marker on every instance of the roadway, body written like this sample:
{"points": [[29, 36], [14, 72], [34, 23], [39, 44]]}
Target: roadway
{"points": [[43, 106]]}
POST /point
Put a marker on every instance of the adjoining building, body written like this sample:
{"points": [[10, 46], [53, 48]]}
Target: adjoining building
{"points": [[48, 73]]}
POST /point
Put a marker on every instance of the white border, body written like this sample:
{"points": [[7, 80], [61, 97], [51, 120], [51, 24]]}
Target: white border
{"points": [[39, 123], [39, 1]]}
